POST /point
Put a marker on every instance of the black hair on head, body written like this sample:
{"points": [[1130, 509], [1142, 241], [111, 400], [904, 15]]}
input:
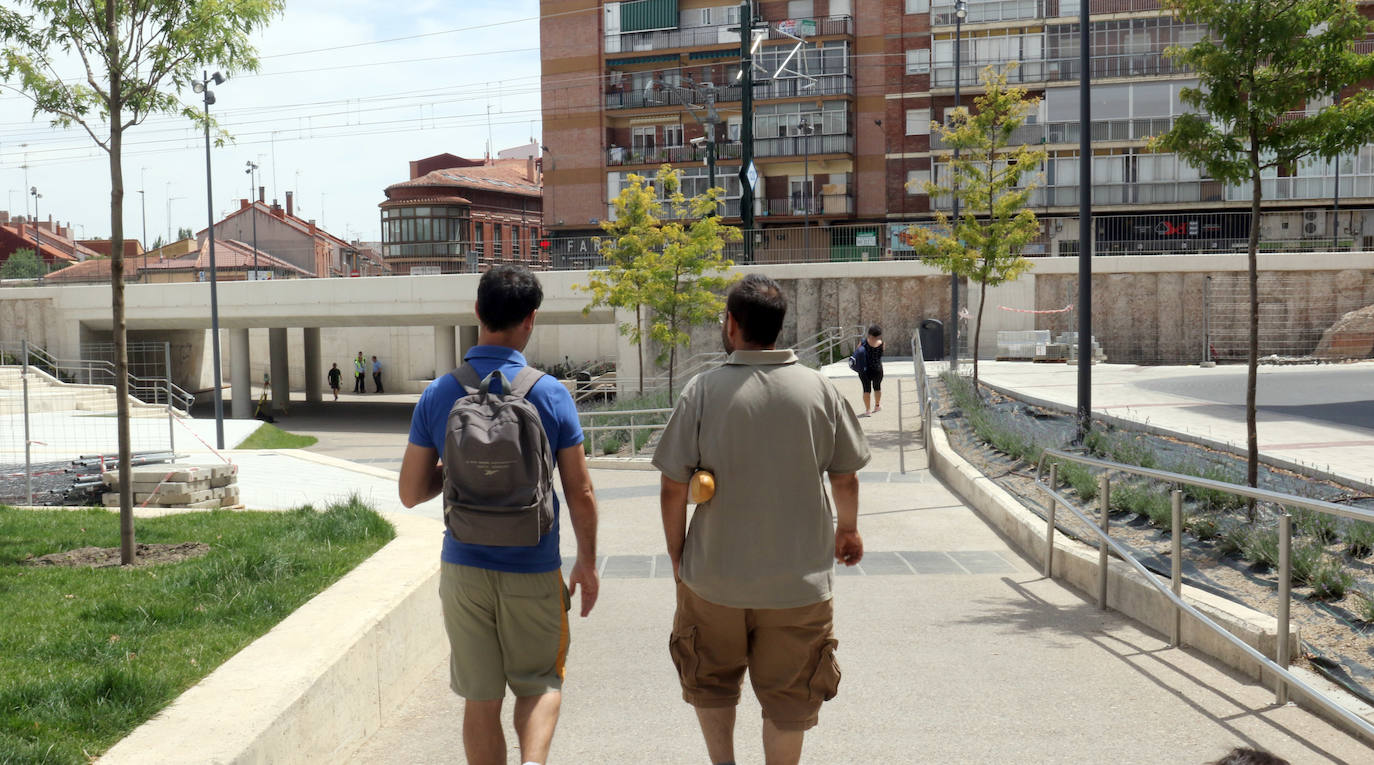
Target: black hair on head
{"points": [[506, 295], [875, 331], [758, 305]]}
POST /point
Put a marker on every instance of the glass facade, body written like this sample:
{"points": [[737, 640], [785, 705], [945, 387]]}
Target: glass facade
{"points": [[425, 231]]}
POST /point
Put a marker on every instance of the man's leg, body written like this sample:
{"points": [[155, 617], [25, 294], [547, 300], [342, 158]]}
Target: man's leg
{"points": [[484, 743], [718, 728], [781, 747], [535, 719]]}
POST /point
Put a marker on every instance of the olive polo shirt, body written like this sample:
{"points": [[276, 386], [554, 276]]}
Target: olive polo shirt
{"points": [[769, 429]]}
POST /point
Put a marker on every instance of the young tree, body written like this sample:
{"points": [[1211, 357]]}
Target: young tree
{"points": [[989, 179], [185, 233], [135, 57], [675, 272], [1263, 66], [23, 264]]}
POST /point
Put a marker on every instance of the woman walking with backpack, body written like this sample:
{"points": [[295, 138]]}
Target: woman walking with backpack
{"points": [[867, 360]]}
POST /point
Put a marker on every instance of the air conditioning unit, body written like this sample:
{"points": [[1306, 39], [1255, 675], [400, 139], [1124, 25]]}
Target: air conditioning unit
{"points": [[1314, 223]]}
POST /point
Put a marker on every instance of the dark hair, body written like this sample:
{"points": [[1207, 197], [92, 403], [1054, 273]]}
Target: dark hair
{"points": [[1245, 756], [506, 295], [758, 305], [875, 331]]}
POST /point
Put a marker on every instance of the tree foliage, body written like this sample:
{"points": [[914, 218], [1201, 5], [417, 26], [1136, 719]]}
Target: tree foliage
{"points": [[672, 273], [23, 264], [990, 181], [1265, 73], [136, 58]]}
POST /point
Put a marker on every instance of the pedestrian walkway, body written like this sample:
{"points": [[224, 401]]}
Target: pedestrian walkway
{"points": [[1321, 416], [954, 650]]}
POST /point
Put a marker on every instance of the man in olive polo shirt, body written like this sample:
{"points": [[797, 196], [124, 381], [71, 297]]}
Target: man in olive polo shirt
{"points": [[755, 569]]}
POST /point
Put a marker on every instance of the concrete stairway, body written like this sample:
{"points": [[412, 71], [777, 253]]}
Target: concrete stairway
{"points": [[48, 394]]}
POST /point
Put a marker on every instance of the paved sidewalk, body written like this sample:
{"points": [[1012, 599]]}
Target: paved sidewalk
{"points": [[954, 651], [1316, 415]]}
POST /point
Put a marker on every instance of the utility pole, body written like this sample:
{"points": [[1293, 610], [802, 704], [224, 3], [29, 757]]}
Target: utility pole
{"points": [[747, 171], [253, 207], [1085, 230], [960, 11], [143, 202]]}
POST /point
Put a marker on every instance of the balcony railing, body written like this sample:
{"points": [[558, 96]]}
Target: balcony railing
{"points": [[798, 146], [729, 209], [696, 37], [979, 11], [800, 205], [837, 84], [1053, 70], [1068, 132]]}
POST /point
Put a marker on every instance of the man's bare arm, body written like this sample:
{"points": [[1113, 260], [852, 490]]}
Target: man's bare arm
{"points": [[581, 498], [849, 546], [422, 477], [672, 500]]}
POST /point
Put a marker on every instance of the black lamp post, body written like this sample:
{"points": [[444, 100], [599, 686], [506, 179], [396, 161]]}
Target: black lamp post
{"points": [[37, 245], [253, 205], [203, 86], [805, 128], [960, 11]]}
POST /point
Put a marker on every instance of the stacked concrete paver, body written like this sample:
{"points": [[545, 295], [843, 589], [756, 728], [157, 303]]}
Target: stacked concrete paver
{"points": [[195, 486]]}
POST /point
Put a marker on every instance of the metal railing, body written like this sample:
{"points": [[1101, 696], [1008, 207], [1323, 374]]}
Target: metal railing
{"points": [[822, 204], [728, 34], [149, 390], [1286, 681], [925, 400], [799, 145], [821, 83], [1068, 132], [590, 427]]}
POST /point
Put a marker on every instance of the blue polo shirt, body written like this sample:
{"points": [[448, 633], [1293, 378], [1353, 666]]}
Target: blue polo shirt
{"points": [[429, 424]]}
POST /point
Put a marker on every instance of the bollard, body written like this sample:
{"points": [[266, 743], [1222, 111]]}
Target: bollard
{"points": [[634, 442], [1176, 499], [171, 425], [1104, 490], [1285, 593], [1049, 522]]}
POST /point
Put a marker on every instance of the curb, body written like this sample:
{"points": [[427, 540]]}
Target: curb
{"points": [[322, 681], [1128, 593]]}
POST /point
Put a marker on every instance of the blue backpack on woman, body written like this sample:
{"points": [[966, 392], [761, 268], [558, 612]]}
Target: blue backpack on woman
{"points": [[858, 360]]}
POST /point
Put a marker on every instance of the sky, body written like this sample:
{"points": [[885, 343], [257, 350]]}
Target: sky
{"points": [[335, 114]]}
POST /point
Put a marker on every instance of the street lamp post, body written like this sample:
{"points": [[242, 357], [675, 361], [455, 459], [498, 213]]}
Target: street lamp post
{"points": [[1085, 222], [203, 86], [143, 202], [37, 245], [253, 205], [805, 128], [960, 11]]}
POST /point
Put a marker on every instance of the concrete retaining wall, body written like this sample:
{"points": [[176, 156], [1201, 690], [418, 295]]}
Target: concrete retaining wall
{"points": [[321, 681]]}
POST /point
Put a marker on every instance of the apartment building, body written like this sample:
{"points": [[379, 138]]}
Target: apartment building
{"points": [[842, 121]]}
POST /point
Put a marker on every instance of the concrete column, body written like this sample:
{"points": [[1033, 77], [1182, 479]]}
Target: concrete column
{"points": [[445, 357], [241, 374], [313, 382], [281, 381], [467, 337]]}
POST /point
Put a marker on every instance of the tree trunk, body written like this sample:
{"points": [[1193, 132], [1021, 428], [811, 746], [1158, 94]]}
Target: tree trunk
{"points": [[119, 330], [978, 332], [639, 332], [1252, 365]]}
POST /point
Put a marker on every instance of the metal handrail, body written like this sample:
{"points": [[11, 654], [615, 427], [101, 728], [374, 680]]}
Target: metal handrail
{"points": [[1286, 680], [141, 388], [592, 430], [925, 401]]}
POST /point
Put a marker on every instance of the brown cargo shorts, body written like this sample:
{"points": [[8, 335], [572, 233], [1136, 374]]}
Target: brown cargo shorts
{"points": [[789, 652]]}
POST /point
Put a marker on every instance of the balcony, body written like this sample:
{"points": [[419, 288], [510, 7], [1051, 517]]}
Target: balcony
{"points": [[979, 11], [798, 206], [1057, 69], [787, 87], [1068, 132], [701, 37], [799, 146], [731, 210]]}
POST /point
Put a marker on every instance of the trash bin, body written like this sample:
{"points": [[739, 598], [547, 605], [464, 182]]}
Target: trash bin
{"points": [[932, 339]]}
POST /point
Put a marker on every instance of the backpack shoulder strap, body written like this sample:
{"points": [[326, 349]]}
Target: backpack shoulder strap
{"points": [[467, 378], [524, 381]]}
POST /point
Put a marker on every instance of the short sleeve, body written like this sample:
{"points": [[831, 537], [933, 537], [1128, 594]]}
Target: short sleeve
{"points": [[851, 445], [679, 452], [420, 420], [565, 414]]}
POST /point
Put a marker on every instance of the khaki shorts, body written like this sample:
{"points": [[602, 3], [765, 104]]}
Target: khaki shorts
{"points": [[504, 629], [789, 652]]}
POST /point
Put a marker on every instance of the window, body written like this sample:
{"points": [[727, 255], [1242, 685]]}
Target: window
{"points": [[496, 240], [916, 181], [515, 234], [918, 122], [800, 9], [672, 135], [642, 138], [918, 61], [477, 245], [917, 6]]}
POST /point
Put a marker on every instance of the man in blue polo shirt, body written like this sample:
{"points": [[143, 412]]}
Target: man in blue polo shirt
{"points": [[505, 608]]}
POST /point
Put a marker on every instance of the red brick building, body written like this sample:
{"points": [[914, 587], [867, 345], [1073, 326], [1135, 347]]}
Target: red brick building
{"points": [[454, 215], [54, 242]]}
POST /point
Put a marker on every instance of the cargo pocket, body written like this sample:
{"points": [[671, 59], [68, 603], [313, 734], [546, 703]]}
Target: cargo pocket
{"points": [[825, 680], [682, 646]]}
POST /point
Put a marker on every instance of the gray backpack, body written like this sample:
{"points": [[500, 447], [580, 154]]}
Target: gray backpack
{"points": [[498, 467]]}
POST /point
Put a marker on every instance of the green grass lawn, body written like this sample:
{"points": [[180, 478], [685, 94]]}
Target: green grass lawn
{"points": [[270, 436], [86, 655]]}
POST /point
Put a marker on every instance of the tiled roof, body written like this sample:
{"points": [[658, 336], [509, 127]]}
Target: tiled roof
{"points": [[299, 224], [98, 269], [230, 255], [504, 175], [443, 200], [54, 246]]}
